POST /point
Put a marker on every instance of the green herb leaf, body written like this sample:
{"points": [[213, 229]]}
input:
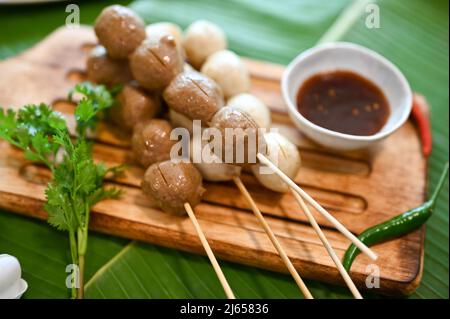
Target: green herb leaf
{"points": [[59, 207], [77, 181], [84, 111], [95, 99], [32, 129]]}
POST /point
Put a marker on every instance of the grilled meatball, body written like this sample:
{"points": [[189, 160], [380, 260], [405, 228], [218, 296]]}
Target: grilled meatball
{"points": [[194, 95], [156, 62], [102, 69], [170, 185], [245, 139], [119, 30], [151, 141], [134, 106]]}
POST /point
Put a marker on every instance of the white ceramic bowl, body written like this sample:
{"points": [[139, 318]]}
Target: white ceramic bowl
{"points": [[348, 57]]}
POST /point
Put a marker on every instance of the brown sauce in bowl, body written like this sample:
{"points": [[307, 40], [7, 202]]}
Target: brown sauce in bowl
{"points": [[344, 102]]}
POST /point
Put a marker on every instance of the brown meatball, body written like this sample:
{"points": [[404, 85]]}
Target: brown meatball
{"points": [[194, 95], [170, 185], [119, 30], [104, 70], [151, 141], [134, 106], [246, 142], [156, 62]]}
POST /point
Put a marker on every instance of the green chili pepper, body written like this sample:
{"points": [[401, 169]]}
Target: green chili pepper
{"points": [[397, 226]]}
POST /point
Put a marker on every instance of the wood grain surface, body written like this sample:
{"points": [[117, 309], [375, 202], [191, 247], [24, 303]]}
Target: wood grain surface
{"points": [[359, 188]]}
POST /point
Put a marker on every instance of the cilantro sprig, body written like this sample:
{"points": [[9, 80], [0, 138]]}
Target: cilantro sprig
{"points": [[95, 99], [31, 129], [77, 181]]}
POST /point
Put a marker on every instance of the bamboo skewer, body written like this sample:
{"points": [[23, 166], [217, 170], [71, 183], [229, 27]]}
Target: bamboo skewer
{"points": [[273, 239], [319, 208], [331, 252], [226, 287]]}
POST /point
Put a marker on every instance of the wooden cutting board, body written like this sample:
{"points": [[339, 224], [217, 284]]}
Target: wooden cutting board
{"points": [[359, 188]]}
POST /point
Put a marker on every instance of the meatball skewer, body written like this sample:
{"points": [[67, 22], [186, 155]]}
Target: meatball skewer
{"points": [[196, 96], [209, 252], [126, 52], [232, 117], [289, 162], [294, 273], [288, 159], [222, 122], [224, 172], [217, 172], [189, 89], [299, 195], [351, 285], [174, 187]]}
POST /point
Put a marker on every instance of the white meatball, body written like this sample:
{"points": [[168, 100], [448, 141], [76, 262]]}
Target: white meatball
{"points": [[228, 70], [217, 171], [161, 29], [253, 106], [285, 155], [187, 67], [201, 39]]}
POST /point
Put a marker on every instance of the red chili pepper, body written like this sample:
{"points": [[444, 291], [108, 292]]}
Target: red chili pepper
{"points": [[420, 114]]}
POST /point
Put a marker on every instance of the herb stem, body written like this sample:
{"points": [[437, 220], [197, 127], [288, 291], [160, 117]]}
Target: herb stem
{"points": [[73, 251], [81, 276], [82, 247], [77, 181]]}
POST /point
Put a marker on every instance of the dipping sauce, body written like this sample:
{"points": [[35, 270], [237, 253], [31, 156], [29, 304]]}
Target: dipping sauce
{"points": [[343, 101]]}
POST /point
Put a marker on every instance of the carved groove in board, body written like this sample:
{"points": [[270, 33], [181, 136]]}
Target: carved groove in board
{"points": [[276, 202], [337, 201], [243, 219], [330, 199], [317, 160], [35, 173]]}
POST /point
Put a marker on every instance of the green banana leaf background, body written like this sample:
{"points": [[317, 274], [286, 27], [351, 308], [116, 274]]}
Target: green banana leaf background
{"points": [[413, 34]]}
